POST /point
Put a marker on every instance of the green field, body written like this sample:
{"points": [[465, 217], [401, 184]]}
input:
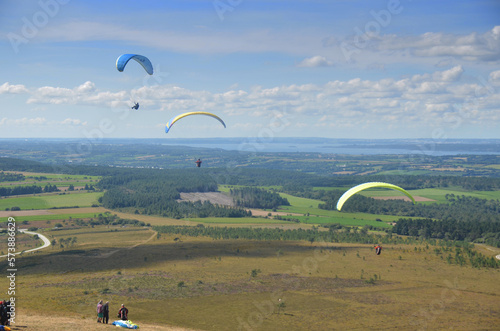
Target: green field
{"points": [[51, 201], [207, 284], [59, 180], [437, 194], [55, 217], [348, 221], [309, 206], [236, 220]]}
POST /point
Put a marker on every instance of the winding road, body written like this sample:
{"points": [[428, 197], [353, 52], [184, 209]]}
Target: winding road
{"points": [[46, 242]]}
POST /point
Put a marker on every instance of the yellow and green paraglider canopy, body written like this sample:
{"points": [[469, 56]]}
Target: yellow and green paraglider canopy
{"points": [[349, 193]]}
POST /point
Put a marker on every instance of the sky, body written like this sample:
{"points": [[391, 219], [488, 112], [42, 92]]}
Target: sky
{"points": [[281, 68]]}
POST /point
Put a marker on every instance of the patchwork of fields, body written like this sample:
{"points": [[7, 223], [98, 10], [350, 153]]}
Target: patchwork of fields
{"points": [[198, 283]]}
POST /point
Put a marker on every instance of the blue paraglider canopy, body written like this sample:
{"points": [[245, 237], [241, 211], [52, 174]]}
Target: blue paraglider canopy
{"points": [[123, 59]]}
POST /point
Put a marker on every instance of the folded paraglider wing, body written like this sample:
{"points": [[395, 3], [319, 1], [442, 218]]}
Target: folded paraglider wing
{"points": [[123, 59], [126, 324]]}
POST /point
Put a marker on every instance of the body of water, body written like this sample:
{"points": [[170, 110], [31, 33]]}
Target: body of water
{"points": [[423, 148]]}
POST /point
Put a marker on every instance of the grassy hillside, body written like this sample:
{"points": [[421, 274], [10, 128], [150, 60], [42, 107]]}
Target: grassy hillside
{"points": [[204, 284]]}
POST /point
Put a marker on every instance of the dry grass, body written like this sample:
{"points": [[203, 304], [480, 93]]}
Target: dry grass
{"points": [[324, 286], [29, 320]]}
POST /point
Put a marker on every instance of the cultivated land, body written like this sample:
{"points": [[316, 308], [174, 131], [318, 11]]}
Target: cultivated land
{"points": [[177, 282]]}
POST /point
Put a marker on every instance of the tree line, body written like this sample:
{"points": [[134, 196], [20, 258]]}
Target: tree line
{"points": [[27, 189], [10, 177], [472, 231], [253, 197], [459, 208], [157, 192], [290, 180]]}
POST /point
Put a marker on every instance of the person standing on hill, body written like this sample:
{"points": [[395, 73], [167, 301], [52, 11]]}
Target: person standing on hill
{"points": [[123, 313], [105, 312], [3, 314], [99, 312]]}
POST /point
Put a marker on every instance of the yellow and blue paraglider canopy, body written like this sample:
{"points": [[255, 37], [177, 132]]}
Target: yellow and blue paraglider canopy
{"points": [[178, 117], [123, 59], [126, 324], [349, 193]]}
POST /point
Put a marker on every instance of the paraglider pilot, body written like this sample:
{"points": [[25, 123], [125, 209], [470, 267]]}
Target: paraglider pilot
{"points": [[198, 163], [123, 313], [136, 106], [378, 249]]}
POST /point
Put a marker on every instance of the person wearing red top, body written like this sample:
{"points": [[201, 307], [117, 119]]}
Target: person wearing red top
{"points": [[123, 313], [99, 311]]}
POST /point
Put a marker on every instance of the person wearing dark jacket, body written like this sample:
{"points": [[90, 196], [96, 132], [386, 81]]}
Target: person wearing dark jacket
{"points": [[105, 312], [123, 313]]}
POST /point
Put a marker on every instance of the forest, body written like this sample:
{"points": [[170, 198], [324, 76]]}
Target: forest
{"points": [[458, 208], [253, 197], [30, 189], [10, 177], [157, 191], [471, 231]]}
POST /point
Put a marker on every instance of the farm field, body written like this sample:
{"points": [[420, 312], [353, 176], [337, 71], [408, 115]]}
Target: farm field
{"points": [[434, 194], [81, 199], [60, 180], [179, 282]]}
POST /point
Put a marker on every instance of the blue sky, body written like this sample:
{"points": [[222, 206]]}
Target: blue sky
{"points": [[318, 68]]}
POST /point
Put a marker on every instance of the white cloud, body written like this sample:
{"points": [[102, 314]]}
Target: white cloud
{"points": [[196, 41], [450, 75], [471, 47], [495, 75], [12, 89], [416, 100], [84, 94], [25, 121], [315, 61], [73, 122]]}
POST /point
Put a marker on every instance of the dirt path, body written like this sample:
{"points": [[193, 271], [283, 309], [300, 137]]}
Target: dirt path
{"points": [[46, 242], [17, 213], [103, 256], [491, 249]]}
